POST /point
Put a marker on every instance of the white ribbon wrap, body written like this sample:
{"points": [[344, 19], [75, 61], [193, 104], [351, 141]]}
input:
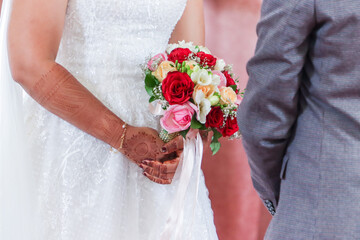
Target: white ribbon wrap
{"points": [[190, 164], [156, 108]]}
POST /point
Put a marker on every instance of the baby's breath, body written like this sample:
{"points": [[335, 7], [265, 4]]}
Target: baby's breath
{"points": [[158, 92]]}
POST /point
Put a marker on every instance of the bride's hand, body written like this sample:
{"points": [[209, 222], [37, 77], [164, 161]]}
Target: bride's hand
{"points": [[161, 172], [158, 159]]}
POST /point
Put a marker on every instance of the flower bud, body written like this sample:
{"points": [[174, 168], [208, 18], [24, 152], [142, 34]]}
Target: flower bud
{"points": [[214, 100]]}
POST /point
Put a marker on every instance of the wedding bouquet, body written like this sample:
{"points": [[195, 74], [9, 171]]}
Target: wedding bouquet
{"points": [[192, 89]]}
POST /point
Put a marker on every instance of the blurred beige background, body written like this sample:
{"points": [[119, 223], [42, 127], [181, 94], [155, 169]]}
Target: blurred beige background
{"points": [[239, 214]]}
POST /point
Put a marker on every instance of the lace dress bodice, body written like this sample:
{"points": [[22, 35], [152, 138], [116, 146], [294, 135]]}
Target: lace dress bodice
{"points": [[106, 43], [86, 190]]}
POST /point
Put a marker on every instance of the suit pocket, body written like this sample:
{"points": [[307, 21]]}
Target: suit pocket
{"points": [[283, 167]]}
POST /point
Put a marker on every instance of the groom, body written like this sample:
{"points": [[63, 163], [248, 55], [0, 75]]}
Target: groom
{"points": [[300, 118]]}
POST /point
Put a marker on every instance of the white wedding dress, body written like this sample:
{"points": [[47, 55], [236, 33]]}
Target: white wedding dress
{"points": [[86, 191]]}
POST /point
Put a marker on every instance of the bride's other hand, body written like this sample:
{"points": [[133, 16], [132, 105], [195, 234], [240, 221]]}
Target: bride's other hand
{"points": [[142, 143], [161, 172]]}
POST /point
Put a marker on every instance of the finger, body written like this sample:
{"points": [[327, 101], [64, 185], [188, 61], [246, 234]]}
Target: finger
{"points": [[154, 169], [174, 145], [157, 180], [151, 167], [147, 169], [169, 166], [163, 176], [150, 163]]}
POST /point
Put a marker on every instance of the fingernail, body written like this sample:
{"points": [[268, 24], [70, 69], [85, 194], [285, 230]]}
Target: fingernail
{"points": [[141, 166]]}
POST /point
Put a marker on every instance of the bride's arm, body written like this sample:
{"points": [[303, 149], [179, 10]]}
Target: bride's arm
{"points": [[191, 26], [35, 32]]}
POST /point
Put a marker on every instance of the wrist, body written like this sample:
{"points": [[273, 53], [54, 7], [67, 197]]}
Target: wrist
{"points": [[123, 135], [125, 129], [117, 131]]}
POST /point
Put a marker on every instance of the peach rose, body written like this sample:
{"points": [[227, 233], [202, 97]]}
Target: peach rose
{"points": [[163, 69], [192, 64], [228, 95], [208, 90]]}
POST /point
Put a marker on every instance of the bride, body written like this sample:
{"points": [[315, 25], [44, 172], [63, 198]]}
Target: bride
{"points": [[101, 171]]}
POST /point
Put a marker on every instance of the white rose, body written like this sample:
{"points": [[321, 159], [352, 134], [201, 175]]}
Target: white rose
{"points": [[198, 96], [220, 65], [202, 77], [171, 47], [203, 104], [204, 49], [181, 44], [204, 109], [189, 45]]}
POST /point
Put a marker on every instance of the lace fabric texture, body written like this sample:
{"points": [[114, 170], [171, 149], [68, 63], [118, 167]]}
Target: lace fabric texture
{"points": [[87, 191]]}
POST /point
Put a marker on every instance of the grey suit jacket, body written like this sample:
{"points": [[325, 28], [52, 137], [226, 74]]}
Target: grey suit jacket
{"points": [[300, 118]]}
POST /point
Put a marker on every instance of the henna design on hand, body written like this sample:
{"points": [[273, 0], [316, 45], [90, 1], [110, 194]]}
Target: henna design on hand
{"points": [[141, 145], [159, 160], [160, 172]]}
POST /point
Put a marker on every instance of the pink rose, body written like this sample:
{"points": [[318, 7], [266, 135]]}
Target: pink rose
{"points": [[238, 100], [177, 118], [156, 60], [222, 78]]}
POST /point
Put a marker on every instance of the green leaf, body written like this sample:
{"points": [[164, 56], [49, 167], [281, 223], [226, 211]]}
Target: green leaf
{"points": [[216, 136], [203, 127], [234, 87], [195, 124], [153, 98], [184, 133], [215, 147], [149, 90], [150, 81]]}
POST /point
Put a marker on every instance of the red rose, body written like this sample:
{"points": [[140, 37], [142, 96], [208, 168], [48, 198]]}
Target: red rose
{"points": [[206, 59], [230, 128], [230, 81], [177, 88], [215, 118], [180, 54]]}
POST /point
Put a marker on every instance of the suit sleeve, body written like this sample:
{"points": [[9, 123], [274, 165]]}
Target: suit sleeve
{"points": [[270, 106]]}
